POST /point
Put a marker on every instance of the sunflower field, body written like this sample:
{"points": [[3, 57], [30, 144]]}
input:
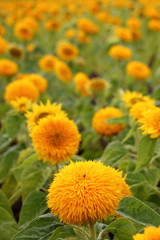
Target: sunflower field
{"points": [[80, 120]]}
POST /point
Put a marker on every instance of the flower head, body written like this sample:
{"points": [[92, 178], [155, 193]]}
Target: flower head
{"points": [[97, 84], [8, 68], [124, 34], [139, 108], [55, 139], [63, 71], [84, 192], [150, 122], [120, 52], [67, 51], [100, 125], [21, 104], [87, 26], [19, 89], [81, 81], [138, 70], [154, 25], [47, 63], [131, 98], [39, 81], [150, 233], [41, 111], [3, 45]]}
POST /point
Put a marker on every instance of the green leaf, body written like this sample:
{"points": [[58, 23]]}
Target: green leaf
{"points": [[33, 178], [152, 175], [6, 163], [4, 203], [29, 161], [40, 228], [145, 153], [122, 228], [13, 123], [25, 154], [113, 153], [5, 141], [8, 226], [62, 232], [35, 200], [136, 210], [134, 179], [118, 120]]}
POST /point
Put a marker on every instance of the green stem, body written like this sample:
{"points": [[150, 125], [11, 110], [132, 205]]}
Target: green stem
{"points": [[92, 231], [81, 230], [57, 168]]}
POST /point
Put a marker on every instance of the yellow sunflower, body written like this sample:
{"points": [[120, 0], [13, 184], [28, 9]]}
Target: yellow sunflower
{"points": [[19, 89], [40, 111], [3, 45], [150, 123], [120, 52], [21, 104], [55, 139], [47, 63], [100, 125], [81, 81], [138, 70], [131, 98], [139, 108], [67, 51], [8, 68], [84, 192], [39, 81], [63, 72], [97, 84], [150, 233]]}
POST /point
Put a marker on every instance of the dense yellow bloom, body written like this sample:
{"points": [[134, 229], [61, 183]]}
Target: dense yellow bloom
{"points": [[137, 110], [23, 31], [8, 68], [100, 125], [47, 63], [124, 34], [15, 51], [150, 233], [70, 33], [152, 12], [3, 45], [19, 89], [87, 26], [55, 139], [63, 71], [39, 81], [154, 25], [133, 23], [120, 52], [138, 70], [131, 98], [82, 37], [84, 192], [52, 25], [97, 84], [21, 104], [136, 34], [150, 123], [2, 30], [67, 51], [40, 111], [81, 81]]}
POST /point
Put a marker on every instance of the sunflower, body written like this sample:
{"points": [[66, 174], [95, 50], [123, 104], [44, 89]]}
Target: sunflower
{"points": [[81, 81], [63, 72], [67, 51], [3, 45], [97, 84], [87, 26], [8, 68], [100, 125], [41, 111], [39, 81], [150, 123], [131, 98], [133, 23], [139, 108], [138, 70], [55, 139], [47, 63], [19, 89], [120, 52], [21, 104], [124, 34], [154, 25], [150, 233], [15, 51], [23, 31], [84, 192], [52, 25]]}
